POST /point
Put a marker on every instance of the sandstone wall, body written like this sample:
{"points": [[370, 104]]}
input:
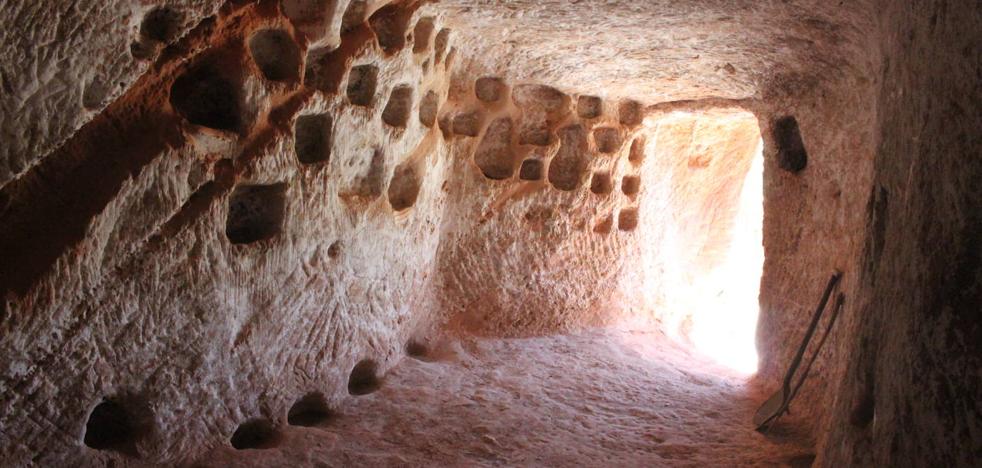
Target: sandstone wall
{"points": [[539, 223], [63, 62], [911, 389], [236, 232], [205, 221]]}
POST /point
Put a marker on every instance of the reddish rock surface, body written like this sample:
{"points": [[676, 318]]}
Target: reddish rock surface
{"points": [[221, 221]]}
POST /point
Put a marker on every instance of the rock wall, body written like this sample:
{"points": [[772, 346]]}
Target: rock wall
{"points": [[540, 216], [250, 225], [911, 388], [64, 62], [570, 210], [820, 136], [214, 219]]}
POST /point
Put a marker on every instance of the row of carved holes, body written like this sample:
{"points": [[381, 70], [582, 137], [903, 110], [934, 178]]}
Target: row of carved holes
{"points": [[601, 184], [493, 155], [362, 83], [206, 99], [120, 425], [256, 212], [495, 158], [627, 220]]}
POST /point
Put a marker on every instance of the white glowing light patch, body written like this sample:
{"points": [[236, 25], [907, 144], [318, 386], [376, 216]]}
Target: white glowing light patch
{"points": [[724, 304]]}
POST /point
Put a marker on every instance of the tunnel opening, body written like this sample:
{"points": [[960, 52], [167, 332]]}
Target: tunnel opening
{"points": [[712, 237]]}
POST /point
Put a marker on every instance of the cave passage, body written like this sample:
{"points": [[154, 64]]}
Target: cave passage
{"points": [[489, 233], [725, 302]]}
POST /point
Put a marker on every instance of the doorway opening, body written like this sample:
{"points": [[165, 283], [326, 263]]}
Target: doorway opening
{"points": [[723, 323], [704, 257]]}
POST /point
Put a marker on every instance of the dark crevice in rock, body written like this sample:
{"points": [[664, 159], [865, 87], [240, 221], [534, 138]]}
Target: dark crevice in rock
{"points": [[364, 378], [791, 153], [259, 433], [276, 54], [311, 410], [255, 213], [313, 138]]}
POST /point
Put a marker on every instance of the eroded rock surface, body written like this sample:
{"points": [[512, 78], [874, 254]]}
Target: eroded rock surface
{"points": [[224, 224]]}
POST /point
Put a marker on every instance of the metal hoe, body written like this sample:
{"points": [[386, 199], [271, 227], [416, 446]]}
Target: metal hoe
{"points": [[778, 403]]}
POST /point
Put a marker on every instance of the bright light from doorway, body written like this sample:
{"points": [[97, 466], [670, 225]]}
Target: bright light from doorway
{"points": [[725, 303]]}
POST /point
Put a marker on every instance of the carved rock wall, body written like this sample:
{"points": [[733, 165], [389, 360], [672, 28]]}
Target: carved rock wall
{"points": [[217, 220]]}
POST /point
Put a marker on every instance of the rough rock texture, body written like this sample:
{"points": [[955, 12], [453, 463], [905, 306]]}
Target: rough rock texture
{"points": [[607, 397], [63, 62], [660, 50], [221, 221], [911, 395], [514, 246], [167, 262]]}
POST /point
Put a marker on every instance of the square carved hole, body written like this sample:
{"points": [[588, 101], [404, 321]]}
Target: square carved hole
{"points": [[489, 88], [631, 185], [362, 81], [627, 220], [312, 138], [255, 213], [629, 113], [589, 107], [531, 170], [601, 184], [608, 139], [400, 105]]}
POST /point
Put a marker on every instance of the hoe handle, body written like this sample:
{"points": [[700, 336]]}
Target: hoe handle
{"points": [[811, 331]]}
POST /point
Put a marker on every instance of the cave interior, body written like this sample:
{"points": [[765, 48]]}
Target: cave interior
{"points": [[490, 233]]}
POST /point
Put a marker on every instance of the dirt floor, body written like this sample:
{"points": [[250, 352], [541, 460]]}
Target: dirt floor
{"points": [[605, 397]]}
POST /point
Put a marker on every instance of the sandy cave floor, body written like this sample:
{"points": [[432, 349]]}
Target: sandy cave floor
{"points": [[605, 397]]}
